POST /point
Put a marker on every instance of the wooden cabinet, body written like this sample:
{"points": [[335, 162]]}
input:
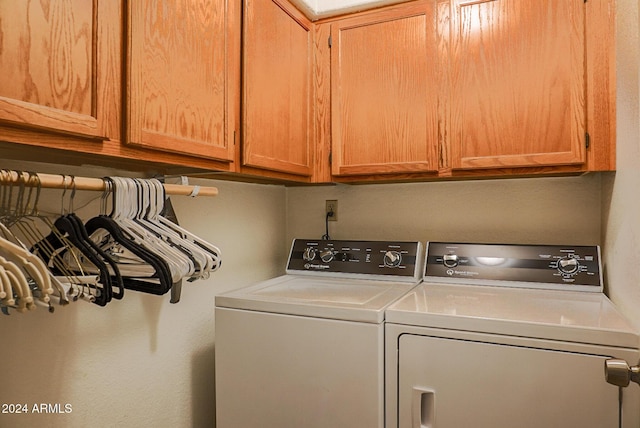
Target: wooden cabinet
{"points": [[277, 100], [55, 64], [419, 90], [517, 83], [386, 86], [181, 85], [458, 88]]}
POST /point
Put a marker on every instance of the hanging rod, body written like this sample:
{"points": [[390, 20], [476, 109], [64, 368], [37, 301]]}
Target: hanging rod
{"points": [[57, 181]]}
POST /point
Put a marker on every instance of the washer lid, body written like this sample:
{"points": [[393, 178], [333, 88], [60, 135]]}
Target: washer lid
{"points": [[333, 298], [570, 316]]}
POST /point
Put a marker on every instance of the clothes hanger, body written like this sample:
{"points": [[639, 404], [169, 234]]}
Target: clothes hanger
{"points": [[19, 284], [8, 298], [15, 251], [116, 284], [23, 222], [152, 273], [60, 246], [211, 250], [3, 280], [127, 202], [153, 197]]}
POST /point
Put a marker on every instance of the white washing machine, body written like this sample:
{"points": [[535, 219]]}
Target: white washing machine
{"points": [[509, 336], [307, 349]]}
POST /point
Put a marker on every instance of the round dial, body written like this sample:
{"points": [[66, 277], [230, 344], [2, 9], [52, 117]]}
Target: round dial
{"points": [[568, 265], [326, 255], [309, 254], [392, 258], [450, 260]]}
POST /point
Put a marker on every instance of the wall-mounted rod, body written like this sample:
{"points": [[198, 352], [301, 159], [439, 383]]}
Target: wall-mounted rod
{"points": [[57, 181]]}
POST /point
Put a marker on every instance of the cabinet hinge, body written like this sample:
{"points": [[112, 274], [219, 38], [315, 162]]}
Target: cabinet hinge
{"points": [[329, 41], [587, 140]]}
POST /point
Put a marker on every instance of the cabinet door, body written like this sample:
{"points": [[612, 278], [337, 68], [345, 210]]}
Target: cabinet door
{"points": [[179, 83], [518, 90], [384, 91], [277, 105], [49, 65]]}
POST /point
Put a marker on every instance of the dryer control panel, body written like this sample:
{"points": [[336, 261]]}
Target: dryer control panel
{"points": [[391, 260], [531, 266]]}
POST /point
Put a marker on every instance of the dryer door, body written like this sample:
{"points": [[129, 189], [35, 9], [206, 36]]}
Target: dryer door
{"points": [[453, 383]]}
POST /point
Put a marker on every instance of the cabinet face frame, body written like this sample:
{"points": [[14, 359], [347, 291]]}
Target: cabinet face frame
{"points": [[60, 91], [404, 142], [200, 61], [277, 96]]}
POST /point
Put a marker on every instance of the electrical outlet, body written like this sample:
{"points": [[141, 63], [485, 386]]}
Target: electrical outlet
{"points": [[332, 206]]}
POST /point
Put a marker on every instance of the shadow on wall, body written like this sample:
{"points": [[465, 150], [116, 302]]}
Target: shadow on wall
{"points": [[203, 391]]}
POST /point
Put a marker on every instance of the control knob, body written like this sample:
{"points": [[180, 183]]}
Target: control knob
{"points": [[568, 265], [450, 260], [326, 255], [392, 258], [309, 254]]}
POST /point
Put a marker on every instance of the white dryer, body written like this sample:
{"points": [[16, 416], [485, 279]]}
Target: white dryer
{"points": [[306, 349], [509, 336]]}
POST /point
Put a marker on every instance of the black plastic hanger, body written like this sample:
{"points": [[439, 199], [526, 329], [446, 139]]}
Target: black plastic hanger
{"points": [[161, 280]]}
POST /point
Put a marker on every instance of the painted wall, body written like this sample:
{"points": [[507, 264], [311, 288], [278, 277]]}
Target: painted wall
{"points": [[141, 361], [621, 203], [542, 210], [145, 362]]}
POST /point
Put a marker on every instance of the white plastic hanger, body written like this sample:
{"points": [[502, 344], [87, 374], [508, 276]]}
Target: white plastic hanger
{"points": [[152, 191], [210, 251], [126, 206]]}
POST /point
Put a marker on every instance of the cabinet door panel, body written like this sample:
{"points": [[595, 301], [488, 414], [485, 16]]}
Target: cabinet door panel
{"points": [[48, 66], [177, 77], [385, 91], [518, 94], [278, 132]]}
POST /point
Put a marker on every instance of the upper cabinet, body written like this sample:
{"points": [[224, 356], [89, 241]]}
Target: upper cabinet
{"points": [[277, 103], [457, 88], [386, 87], [517, 83], [181, 88], [52, 68], [423, 89]]}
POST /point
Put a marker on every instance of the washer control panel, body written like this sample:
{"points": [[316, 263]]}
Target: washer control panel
{"points": [[533, 266], [394, 259]]}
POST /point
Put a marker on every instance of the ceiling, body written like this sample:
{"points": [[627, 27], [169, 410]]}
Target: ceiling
{"points": [[318, 9]]}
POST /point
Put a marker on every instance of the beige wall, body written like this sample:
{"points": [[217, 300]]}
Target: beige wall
{"points": [[542, 210], [621, 191], [141, 361], [145, 362]]}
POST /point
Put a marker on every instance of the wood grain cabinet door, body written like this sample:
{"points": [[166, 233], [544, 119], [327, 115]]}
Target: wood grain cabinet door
{"points": [[385, 91], [277, 105], [517, 83], [179, 92], [49, 65]]}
